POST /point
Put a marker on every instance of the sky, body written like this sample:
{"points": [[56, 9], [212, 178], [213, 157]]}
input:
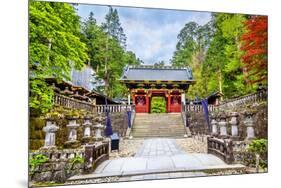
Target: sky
{"points": [[151, 33]]}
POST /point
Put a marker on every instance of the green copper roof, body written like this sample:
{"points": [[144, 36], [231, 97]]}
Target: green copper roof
{"points": [[153, 73]]}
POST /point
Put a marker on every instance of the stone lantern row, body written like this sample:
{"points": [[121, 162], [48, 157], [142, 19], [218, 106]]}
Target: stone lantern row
{"points": [[90, 131], [220, 124]]}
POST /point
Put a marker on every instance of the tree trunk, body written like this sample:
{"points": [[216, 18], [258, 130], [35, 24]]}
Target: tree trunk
{"points": [[220, 83]]}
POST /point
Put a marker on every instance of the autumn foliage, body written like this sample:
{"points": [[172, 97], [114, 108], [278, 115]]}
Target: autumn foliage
{"points": [[255, 48]]}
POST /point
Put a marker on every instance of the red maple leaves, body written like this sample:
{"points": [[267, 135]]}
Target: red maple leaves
{"points": [[255, 47]]}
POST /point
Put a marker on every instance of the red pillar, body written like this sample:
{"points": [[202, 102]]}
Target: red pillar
{"points": [[147, 103], [133, 99], [169, 103]]}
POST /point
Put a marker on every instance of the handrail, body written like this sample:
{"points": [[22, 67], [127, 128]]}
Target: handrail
{"points": [[243, 100], [112, 108], [69, 102], [198, 108], [222, 148]]}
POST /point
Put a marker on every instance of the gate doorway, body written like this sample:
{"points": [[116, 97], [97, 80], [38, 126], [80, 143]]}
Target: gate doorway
{"points": [[158, 104]]}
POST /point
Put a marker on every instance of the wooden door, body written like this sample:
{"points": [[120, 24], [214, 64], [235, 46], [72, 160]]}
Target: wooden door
{"points": [[175, 103], [141, 103]]}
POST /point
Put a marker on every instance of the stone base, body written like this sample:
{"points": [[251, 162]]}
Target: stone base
{"points": [[72, 144], [98, 139], [87, 140], [249, 139], [235, 138], [224, 136], [48, 148]]}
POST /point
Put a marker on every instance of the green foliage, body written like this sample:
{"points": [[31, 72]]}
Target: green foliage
{"points": [[158, 105], [258, 146], [213, 51], [76, 160], [54, 48], [41, 96], [37, 160]]}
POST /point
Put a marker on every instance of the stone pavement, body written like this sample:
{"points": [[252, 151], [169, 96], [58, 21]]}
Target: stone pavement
{"points": [[158, 158], [158, 147]]}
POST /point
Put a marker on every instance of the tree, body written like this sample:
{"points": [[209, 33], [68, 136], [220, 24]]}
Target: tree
{"points": [[112, 26], [54, 48], [190, 51], [255, 49], [222, 67]]}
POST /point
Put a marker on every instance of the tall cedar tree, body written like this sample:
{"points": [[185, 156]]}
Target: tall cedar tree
{"points": [[255, 49]]}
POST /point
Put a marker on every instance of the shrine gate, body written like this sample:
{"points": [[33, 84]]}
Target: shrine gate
{"points": [[146, 81]]}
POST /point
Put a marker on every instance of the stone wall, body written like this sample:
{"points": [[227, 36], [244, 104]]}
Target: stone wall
{"points": [[197, 122], [119, 122], [59, 167], [243, 156]]}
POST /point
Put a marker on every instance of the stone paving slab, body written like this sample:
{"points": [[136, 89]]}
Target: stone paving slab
{"points": [[154, 160]]}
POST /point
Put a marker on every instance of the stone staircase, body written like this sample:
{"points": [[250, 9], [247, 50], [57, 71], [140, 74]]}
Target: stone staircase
{"points": [[158, 125]]}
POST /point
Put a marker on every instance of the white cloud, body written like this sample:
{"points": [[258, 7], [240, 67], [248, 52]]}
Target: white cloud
{"points": [[151, 33]]}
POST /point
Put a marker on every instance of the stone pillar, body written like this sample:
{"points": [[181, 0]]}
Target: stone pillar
{"points": [[183, 98], [222, 125], [214, 124], [234, 124], [249, 123], [72, 126], [50, 138], [129, 99]]}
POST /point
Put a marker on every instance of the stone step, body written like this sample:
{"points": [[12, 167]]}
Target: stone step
{"points": [[158, 125]]}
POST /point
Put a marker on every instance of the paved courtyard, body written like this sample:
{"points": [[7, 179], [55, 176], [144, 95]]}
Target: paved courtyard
{"points": [[157, 158]]}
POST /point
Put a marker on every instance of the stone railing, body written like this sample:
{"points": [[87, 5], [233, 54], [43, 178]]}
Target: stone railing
{"points": [[112, 108], [69, 102], [197, 108], [221, 148], [55, 155], [95, 154], [60, 164], [248, 99]]}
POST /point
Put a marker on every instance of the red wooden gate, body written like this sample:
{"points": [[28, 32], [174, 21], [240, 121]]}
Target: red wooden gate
{"points": [[175, 103]]}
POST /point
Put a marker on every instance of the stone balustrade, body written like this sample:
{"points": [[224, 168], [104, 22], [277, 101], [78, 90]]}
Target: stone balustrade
{"points": [[222, 148], [244, 100], [60, 166], [112, 108], [197, 108]]}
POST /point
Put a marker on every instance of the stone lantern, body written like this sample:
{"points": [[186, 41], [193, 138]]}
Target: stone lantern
{"points": [[72, 132], [214, 125], [87, 129], [222, 124], [50, 129], [98, 129], [234, 124], [249, 123]]}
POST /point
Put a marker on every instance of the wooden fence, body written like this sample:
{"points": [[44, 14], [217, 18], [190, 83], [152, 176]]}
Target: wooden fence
{"points": [[69, 102]]}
